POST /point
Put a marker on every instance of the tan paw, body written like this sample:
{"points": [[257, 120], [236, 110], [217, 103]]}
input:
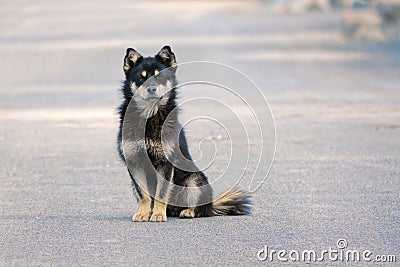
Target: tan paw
{"points": [[187, 214], [158, 217], [141, 217]]}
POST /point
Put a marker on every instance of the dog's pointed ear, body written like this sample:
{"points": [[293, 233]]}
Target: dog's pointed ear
{"points": [[167, 57], [132, 57]]}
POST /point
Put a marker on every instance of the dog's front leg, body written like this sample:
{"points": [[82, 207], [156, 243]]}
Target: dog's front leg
{"points": [[164, 184], [140, 186], [143, 213], [133, 152]]}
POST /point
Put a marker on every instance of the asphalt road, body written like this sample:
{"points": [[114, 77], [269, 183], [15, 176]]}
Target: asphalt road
{"points": [[66, 199]]}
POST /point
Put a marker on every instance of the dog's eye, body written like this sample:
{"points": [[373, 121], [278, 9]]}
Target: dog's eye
{"points": [[156, 72], [144, 74]]}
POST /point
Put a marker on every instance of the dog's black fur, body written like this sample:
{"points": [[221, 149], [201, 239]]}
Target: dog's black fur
{"points": [[137, 71]]}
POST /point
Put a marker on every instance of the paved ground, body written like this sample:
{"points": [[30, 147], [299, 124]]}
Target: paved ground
{"points": [[65, 198]]}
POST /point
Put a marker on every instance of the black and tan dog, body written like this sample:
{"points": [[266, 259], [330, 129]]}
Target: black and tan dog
{"points": [[152, 144]]}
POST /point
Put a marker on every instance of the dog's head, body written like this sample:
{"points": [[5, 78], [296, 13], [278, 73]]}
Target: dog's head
{"points": [[151, 78]]}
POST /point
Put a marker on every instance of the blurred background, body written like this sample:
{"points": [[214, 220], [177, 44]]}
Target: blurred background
{"points": [[63, 54], [329, 69]]}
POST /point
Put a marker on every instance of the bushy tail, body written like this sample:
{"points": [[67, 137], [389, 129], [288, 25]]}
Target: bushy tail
{"points": [[232, 202]]}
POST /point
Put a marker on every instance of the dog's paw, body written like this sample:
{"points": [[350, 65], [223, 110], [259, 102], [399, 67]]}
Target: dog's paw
{"points": [[141, 217], [187, 214], [158, 217]]}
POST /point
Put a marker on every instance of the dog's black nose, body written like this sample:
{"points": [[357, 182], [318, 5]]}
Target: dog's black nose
{"points": [[151, 89]]}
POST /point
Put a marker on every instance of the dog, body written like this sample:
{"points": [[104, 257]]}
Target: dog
{"points": [[153, 146]]}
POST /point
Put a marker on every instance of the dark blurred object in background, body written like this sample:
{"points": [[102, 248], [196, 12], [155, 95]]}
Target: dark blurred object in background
{"points": [[368, 20], [372, 21]]}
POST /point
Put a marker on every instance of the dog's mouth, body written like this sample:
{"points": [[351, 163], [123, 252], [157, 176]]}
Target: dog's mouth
{"points": [[153, 97]]}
